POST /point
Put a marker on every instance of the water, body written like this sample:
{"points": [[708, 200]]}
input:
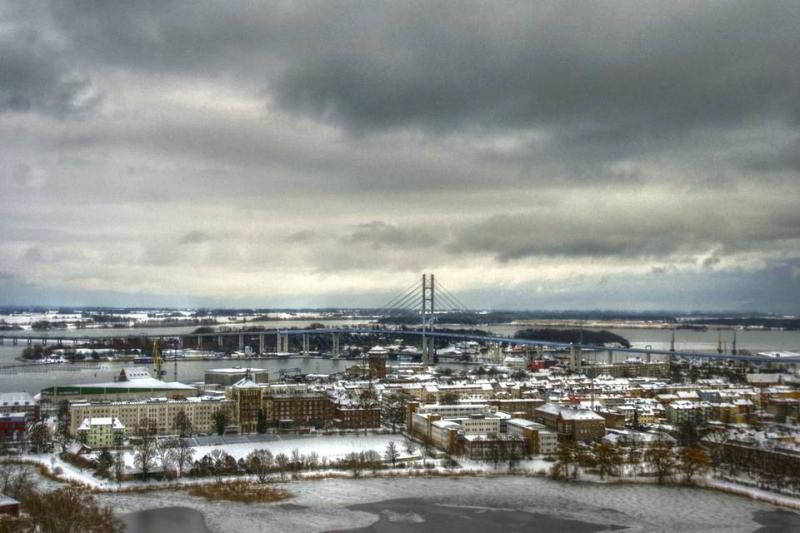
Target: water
{"points": [[689, 340], [461, 505], [167, 519]]}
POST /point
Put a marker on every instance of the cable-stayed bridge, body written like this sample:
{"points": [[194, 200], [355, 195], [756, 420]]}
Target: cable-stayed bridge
{"points": [[420, 303]]}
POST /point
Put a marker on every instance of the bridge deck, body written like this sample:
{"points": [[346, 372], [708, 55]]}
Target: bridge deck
{"points": [[61, 339]]}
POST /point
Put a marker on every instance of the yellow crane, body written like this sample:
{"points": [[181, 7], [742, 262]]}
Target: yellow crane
{"points": [[157, 359]]}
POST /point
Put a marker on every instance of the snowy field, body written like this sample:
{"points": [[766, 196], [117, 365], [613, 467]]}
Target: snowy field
{"points": [[330, 447]]}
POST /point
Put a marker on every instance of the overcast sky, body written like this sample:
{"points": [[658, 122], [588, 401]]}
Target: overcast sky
{"points": [[610, 155]]}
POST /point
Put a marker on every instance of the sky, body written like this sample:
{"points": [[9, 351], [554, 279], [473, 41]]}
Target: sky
{"points": [[533, 155]]}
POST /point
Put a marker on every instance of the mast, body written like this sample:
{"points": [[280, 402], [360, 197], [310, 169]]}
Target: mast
{"points": [[157, 358]]}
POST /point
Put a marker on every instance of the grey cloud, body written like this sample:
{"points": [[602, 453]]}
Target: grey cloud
{"points": [[302, 236], [594, 73], [35, 78], [353, 139], [379, 233], [642, 232], [194, 237]]}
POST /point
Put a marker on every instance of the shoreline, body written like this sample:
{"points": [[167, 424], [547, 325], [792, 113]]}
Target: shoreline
{"points": [[109, 487]]}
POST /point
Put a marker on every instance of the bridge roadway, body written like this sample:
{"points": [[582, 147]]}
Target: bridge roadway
{"points": [[61, 339]]}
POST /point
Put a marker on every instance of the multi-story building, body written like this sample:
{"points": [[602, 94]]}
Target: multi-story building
{"points": [[538, 439], [246, 396], [356, 417], [376, 360], [488, 447], [682, 411], [629, 369], [13, 426], [19, 402], [571, 423], [306, 409], [102, 432], [198, 410]]}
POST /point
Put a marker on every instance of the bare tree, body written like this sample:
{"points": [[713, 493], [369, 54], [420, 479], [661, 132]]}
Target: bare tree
{"points": [[119, 465], [410, 447], [391, 453], [182, 424], [183, 454], [217, 457], [260, 463], [62, 434], [297, 461], [608, 459], [566, 465], [220, 421], [145, 446], [693, 461], [39, 437], [165, 450], [282, 460], [661, 458]]}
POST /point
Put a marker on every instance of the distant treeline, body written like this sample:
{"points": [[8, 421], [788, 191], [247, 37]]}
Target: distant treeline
{"points": [[504, 317], [584, 336], [766, 322]]}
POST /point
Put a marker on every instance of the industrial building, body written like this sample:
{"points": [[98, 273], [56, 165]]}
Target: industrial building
{"points": [[228, 376], [133, 384]]}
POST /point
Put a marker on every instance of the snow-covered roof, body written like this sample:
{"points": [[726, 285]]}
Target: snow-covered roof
{"points": [[16, 398], [89, 423]]}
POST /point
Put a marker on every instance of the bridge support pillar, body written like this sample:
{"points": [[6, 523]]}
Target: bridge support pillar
{"points": [[335, 351], [649, 357], [610, 357], [283, 343], [14, 341], [44, 341], [305, 344], [199, 342], [74, 342], [219, 342], [241, 343], [261, 344]]}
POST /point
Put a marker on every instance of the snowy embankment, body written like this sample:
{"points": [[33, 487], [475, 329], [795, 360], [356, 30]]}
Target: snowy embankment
{"points": [[66, 471]]}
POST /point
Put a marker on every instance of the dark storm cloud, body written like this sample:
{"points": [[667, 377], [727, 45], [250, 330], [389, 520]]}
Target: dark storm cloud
{"points": [[596, 72], [35, 79], [593, 72]]}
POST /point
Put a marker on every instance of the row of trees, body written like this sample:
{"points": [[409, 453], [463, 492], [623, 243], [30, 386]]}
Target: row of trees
{"points": [[769, 468], [174, 457], [662, 459]]}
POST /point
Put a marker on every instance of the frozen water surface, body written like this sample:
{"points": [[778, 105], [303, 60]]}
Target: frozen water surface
{"points": [[341, 504]]}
